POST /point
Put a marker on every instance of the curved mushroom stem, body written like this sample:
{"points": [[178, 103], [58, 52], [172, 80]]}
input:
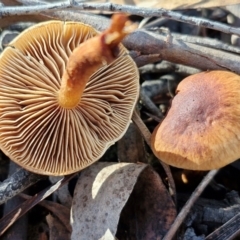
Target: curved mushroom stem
{"points": [[89, 57]]}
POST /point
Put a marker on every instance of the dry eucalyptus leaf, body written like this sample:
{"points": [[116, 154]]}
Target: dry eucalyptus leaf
{"points": [[103, 190], [57, 231], [58, 210], [100, 194], [62, 194], [177, 4], [149, 212], [131, 147]]}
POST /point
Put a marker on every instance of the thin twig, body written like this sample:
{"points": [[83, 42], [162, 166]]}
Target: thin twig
{"points": [[148, 103], [140, 11], [15, 184], [16, 213], [229, 230], [142, 127], [207, 42], [20, 228], [181, 52], [187, 207], [147, 137], [166, 67]]}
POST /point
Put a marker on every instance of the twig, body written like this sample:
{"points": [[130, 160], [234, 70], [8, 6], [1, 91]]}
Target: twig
{"points": [[147, 137], [15, 184], [10, 218], [59, 210], [19, 228], [140, 11], [148, 103], [147, 47], [187, 207], [144, 42], [207, 42], [142, 127], [227, 231], [166, 67]]}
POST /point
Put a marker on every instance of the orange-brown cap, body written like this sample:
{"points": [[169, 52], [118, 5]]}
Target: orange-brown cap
{"points": [[202, 128], [35, 131]]}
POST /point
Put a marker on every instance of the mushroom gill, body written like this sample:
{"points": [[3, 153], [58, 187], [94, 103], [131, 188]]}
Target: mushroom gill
{"points": [[35, 131]]}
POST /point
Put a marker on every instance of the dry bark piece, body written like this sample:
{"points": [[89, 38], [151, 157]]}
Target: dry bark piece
{"points": [[36, 124], [200, 131], [104, 189]]}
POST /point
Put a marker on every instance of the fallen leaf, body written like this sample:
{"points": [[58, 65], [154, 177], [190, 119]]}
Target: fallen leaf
{"points": [[131, 147], [58, 210], [103, 190], [7, 220], [149, 212], [57, 231]]}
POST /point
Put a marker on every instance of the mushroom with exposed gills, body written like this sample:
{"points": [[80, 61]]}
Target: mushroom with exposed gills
{"points": [[202, 128], [67, 94], [95, 53]]}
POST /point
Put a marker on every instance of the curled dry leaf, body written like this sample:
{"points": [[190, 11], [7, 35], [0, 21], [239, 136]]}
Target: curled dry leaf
{"points": [[57, 231], [59, 211], [103, 191], [131, 147], [149, 212]]}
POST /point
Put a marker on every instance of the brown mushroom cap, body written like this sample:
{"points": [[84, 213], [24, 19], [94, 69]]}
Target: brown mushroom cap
{"points": [[38, 134], [202, 128]]}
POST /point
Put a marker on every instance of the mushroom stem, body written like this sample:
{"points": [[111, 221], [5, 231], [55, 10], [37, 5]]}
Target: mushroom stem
{"points": [[89, 57]]}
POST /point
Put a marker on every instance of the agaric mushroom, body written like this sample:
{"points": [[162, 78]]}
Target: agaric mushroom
{"points": [[67, 93], [202, 128]]}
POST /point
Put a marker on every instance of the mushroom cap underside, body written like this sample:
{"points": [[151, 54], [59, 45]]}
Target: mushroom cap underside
{"points": [[202, 128], [38, 134]]}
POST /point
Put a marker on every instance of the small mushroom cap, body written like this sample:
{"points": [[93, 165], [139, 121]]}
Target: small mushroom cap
{"points": [[202, 128], [37, 133]]}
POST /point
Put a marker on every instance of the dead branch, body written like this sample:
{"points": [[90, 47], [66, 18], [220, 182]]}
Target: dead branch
{"points": [[15, 184], [143, 43], [229, 230], [186, 209], [140, 11], [16, 213]]}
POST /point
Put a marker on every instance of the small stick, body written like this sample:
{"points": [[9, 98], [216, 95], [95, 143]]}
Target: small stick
{"points": [[147, 136], [140, 11], [16, 183], [187, 207], [229, 230], [16, 213], [148, 103]]}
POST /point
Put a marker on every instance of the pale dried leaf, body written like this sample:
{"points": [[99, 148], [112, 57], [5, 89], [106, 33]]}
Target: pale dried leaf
{"points": [[62, 195], [106, 191], [100, 195], [177, 4]]}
